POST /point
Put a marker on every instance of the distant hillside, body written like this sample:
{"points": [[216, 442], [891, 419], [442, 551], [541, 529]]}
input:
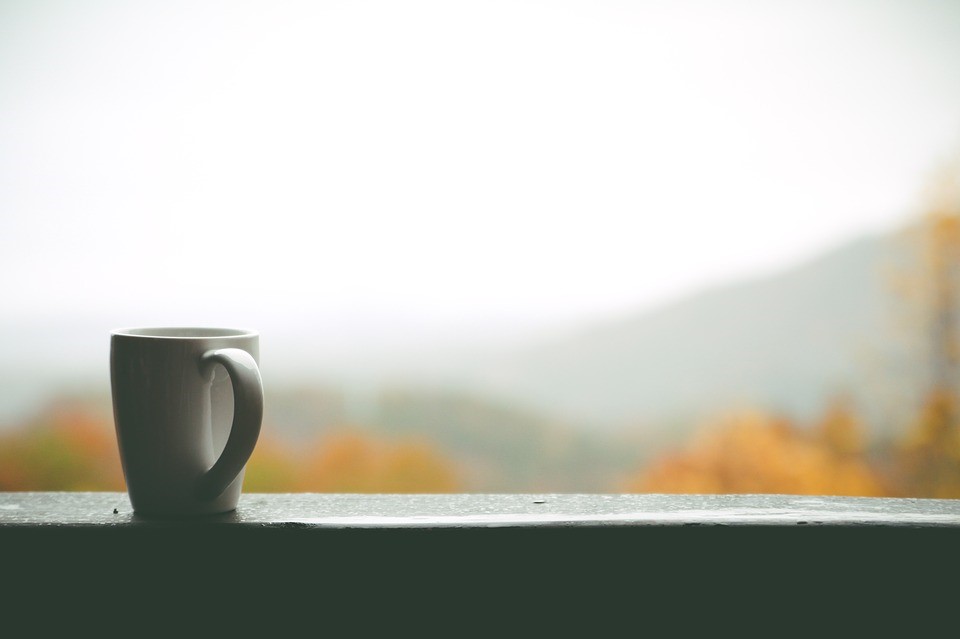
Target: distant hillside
{"points": [[785, 342]]}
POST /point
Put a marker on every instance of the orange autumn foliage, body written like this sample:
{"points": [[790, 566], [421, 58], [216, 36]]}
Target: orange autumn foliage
{"points": [[756, 453], [64, 449], [353, 462], [71, 449], [350, 462]]}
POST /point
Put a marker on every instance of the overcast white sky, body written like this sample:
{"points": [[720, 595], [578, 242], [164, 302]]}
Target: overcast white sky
{"points": [[451, 162]]}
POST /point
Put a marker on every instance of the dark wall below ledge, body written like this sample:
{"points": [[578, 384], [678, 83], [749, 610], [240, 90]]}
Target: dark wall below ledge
{"points": [[417, 559]]}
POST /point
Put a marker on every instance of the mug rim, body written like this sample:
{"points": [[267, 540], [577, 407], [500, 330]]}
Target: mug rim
{"points": [[182, 332]]}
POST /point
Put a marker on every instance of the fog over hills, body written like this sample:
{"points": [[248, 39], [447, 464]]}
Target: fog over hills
{"points": [[788, 342]]}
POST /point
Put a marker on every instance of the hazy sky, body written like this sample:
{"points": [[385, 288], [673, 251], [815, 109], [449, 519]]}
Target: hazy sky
{"points": [[451, 162]]}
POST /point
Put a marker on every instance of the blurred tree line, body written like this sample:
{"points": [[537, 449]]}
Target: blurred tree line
{"points": [[73, 447], [416, 442]]}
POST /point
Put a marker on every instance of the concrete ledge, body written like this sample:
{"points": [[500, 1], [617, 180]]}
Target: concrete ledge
{"points": [[322, 511]]}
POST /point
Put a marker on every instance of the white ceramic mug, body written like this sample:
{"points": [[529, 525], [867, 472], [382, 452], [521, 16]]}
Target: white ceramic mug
{"points": [[188, 405]]}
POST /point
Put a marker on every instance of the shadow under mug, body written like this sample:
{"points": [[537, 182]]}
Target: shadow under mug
{"points": [[188, 406]]}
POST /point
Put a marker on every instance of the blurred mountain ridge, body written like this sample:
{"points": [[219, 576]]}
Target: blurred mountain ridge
{"points": [[785, 342]]}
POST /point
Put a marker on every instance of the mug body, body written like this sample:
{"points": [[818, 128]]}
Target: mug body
{"points": [[173, 415]]}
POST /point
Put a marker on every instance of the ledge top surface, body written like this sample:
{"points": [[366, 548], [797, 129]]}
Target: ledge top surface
{"points": [[468, 510]]}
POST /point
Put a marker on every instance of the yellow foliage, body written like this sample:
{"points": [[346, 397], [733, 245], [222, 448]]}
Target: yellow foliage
{"points": [[840, 430], [756, 453], [271, 468], [930, 451], [352, 462]]}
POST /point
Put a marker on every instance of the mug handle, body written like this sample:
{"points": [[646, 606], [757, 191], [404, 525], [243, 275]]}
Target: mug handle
{"points": [[247, 417]]}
